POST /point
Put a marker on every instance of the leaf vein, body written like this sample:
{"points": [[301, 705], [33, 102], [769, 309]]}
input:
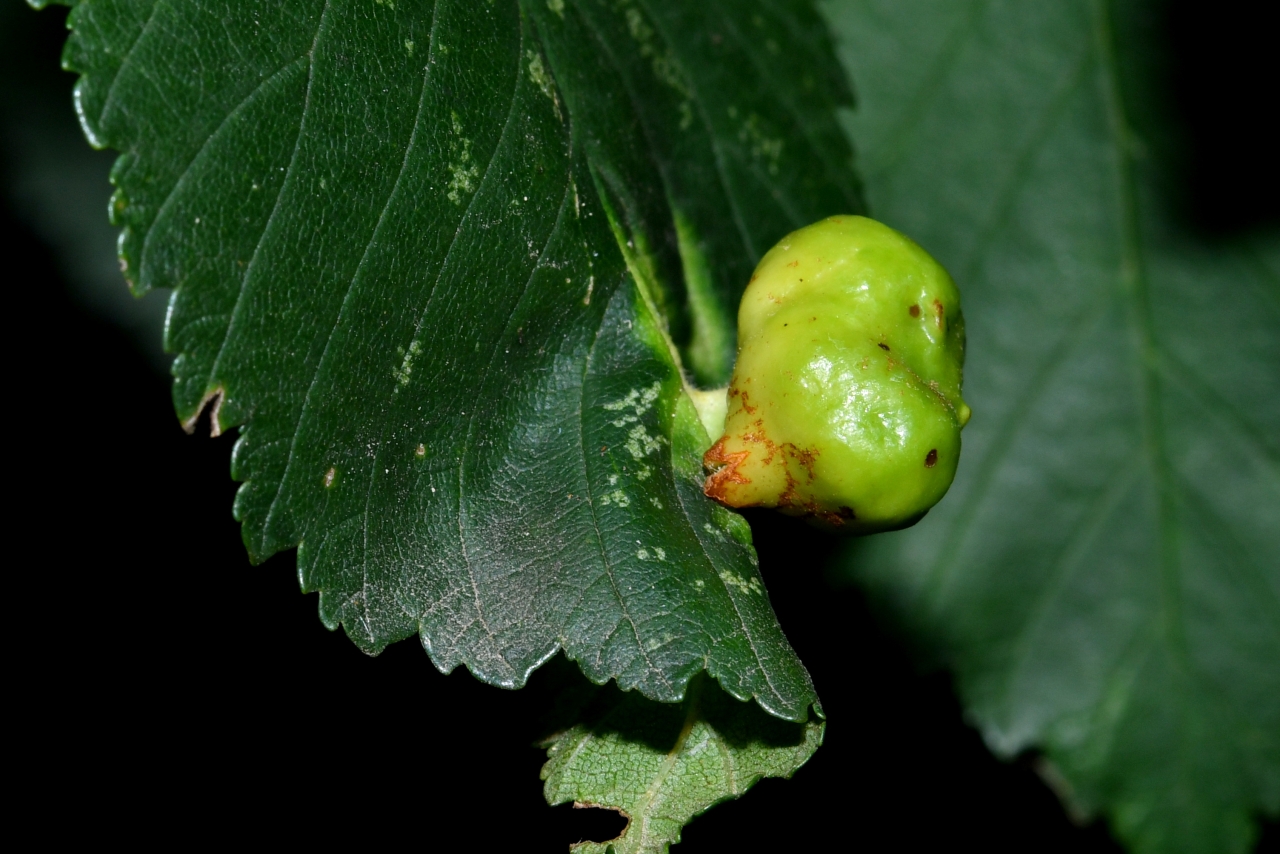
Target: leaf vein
{"points": [[289, 172], [185, 175], [1069, 559], [124, 62], [895, 140], [1001, 444], [595, 519], [484, 376], [1043, 127]]}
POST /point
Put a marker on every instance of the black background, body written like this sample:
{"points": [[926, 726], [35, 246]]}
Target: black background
{"points": [[165, 690]]}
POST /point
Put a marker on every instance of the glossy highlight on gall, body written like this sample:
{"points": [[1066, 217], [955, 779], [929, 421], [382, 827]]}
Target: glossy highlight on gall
{"points": [[845, 403]]}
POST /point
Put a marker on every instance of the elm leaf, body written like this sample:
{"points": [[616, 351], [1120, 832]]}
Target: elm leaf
{"points": [[452, 269], [1104, 578], [660, 765]]}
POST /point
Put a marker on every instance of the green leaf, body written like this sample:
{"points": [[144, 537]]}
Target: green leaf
{"points": [[439, 262], [661, 765], [1104, 577]]}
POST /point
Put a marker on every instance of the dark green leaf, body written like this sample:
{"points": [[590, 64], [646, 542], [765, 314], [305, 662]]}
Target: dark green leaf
{"points": [[661, 765], [438, 262], [1104, 577]]}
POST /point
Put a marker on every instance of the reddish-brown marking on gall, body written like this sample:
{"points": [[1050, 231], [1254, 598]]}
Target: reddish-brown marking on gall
{"points": [[788, 499], [746, 406], [931, 458], [788, 496], [914, 311], [794, 264], [832, 518], [724, 471], [939, 310], [761, 438], [804, 457]]}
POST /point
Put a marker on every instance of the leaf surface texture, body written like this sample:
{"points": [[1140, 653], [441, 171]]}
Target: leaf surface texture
{"points": [[441, 264], [661, 765], [1103, 578]]}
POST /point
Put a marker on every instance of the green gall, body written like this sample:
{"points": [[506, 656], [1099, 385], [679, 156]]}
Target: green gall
{"points": [[845, 402]]}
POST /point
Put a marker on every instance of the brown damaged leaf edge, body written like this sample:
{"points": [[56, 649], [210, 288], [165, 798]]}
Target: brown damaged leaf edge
{"points": [[211, 403]]}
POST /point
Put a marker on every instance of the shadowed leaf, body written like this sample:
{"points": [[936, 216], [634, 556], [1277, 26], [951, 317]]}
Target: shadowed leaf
{"points": [[661, 765], [1104, 577]]}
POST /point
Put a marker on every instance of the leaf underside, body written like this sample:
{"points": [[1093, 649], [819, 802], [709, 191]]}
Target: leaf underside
{"points": [[661, 765], [442, 264], [1104, 578]]}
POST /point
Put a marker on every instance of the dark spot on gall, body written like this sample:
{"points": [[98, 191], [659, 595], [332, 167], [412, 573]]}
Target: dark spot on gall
{"points": [[914, 311], [931, 458], [884, 347]]}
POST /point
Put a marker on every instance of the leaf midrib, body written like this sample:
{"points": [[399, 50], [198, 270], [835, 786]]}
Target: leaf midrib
{"points": [[694, 701], [1135, 285], [1134, 278]]}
